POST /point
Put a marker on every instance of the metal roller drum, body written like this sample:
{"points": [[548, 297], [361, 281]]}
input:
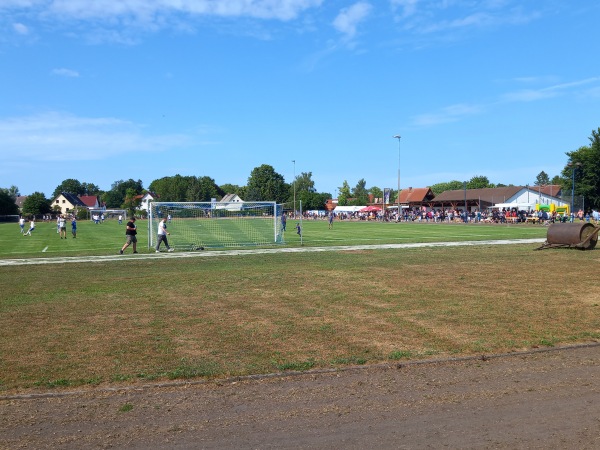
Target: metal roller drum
{"points": [[582, 235]]}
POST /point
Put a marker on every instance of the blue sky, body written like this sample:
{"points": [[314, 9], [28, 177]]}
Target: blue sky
{"points": [[107, 90]]}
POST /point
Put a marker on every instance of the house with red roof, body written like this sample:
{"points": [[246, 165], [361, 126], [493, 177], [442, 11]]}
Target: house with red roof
{"points": [[91, 201]]}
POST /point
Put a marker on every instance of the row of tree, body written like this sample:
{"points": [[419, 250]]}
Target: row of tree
{"points": [[264, 183]]}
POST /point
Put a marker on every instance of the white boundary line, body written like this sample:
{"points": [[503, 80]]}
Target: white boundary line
{"points": [[266, 251]]}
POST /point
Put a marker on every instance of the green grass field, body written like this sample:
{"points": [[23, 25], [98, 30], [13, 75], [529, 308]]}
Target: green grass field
{"points": [[138, 318], [107, 238]]}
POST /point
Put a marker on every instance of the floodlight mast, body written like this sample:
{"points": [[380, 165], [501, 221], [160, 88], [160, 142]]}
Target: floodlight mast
{"points": [[294, 161], [397, 136]]}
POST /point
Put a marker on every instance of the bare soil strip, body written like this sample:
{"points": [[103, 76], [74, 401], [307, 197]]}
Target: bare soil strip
{"points": [[545, 400], [265, 251]]}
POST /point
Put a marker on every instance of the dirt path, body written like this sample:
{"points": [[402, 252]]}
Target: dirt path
{"points": [[260, 251], [546, 399]]}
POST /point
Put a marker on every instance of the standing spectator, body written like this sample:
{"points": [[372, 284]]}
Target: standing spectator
{"points": [[22, 224], [74, 227], [330, 220], [31, 227], [130, 234], [162, 235], [62, 226]]}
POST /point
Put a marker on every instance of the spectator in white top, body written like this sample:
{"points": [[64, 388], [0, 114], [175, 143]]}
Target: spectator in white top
{"points": [[162, 236]]}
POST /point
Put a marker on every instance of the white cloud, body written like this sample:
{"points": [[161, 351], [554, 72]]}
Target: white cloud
{"points": [[448, 114], [409, 7], [529, 95], [147, 10], [350, 17], [63, 137], [121, 21], [450, 16], [454, 113], [20, 28], [66, 73]]}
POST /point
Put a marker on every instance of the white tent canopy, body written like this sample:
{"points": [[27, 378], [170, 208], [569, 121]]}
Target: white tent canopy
{"points": [[347, 209], [519, 206]]}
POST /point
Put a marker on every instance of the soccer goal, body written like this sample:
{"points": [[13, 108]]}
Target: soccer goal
{"points": [[197, 225], [108, 213]]}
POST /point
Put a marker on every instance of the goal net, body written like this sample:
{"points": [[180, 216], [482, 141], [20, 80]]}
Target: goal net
{"points": [[196, 225]]}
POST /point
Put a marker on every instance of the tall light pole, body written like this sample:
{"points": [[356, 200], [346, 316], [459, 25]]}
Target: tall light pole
{"points": [[398, 195], [294, 161]]}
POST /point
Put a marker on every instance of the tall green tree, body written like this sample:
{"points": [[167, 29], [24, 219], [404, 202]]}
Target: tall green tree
{"points": [[90, 189], [131, 202], [304, 186], [376, 192], [229, 188], [171, 189], [344, 194], [203, 189], [264, 184], [7, 203], [453, 185], [36, 204], [314, 200], [73, 186], [186, 189], [542, 179], [70, 185], [585, 162], [479, 182], [305, 183], [360, 193], [118, 192], [12, 192]]}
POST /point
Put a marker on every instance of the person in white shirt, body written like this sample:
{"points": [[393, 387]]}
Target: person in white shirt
{"points": [[62, 226], [31, 227], [22, 224], [162, 236]]}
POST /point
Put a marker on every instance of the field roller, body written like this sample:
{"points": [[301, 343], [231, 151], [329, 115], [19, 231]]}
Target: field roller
{"points": [[582, 236]]}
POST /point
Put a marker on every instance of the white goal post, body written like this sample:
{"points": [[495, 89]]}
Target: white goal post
{"points": [[199, 225]]}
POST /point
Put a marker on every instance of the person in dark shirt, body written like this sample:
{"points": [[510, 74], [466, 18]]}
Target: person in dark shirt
{"points": [[130, 234]]}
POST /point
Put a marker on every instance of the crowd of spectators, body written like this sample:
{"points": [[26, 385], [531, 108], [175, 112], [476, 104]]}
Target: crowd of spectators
{"points": [[493, 215]]}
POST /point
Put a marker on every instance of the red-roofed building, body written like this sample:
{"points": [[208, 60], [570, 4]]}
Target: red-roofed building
{"points": [[91, 201], [415, 197]]}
